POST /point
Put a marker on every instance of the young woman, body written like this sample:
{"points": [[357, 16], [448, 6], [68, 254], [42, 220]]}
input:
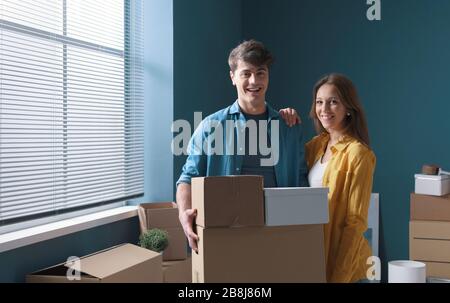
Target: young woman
{"points": [[340, 158]]}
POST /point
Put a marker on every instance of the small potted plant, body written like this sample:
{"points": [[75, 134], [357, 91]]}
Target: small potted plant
{"points": [[154, 239]]}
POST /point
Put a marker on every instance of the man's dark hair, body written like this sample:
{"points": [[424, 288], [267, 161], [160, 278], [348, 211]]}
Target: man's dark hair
{"points": [[251, 51]]}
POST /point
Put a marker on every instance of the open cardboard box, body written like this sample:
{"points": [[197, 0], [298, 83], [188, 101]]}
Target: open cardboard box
{"points": [[126, 263], [164, 215]]}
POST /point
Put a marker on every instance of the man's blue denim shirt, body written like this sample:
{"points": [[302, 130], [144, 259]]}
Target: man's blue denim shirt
{"points": [[290, 170]]}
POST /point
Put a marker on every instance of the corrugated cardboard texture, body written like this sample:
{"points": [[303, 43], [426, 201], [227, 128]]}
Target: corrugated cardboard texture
{"points": [[438, 269], [429, 242], [177, 249], [178, 271], [123, 264], [260, 254], [437, 230], [164, 215], [228, 201], [434, 208]]}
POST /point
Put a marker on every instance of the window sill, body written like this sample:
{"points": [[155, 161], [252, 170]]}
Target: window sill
{"points": [[24, 237]]}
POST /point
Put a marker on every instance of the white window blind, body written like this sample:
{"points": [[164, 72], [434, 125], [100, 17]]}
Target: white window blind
{"points": [[71, 105]]}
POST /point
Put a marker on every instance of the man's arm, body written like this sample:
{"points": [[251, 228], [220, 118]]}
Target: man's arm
{"points": [[186, 214], [195, 166], [303, 167]]}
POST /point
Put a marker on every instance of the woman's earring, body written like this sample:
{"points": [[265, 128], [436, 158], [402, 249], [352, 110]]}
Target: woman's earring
{"points": [[348, 114]]}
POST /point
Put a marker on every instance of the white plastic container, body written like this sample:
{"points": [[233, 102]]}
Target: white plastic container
{"points": [[296, 205], [406, 272], [432, 185]]}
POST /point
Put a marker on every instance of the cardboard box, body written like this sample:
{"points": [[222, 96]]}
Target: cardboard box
{"points": [[125, 263], [228, 201], [296, 206], [438, 270], [260, 254], [429, 242], [432, 185], [164, 215], [433, 208], [177, 271]]}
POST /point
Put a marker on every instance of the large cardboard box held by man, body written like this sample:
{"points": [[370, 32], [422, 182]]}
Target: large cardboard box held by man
{"points": [[429, 242], [125, 263], [164, 215], [228, 201], [260, 254]]}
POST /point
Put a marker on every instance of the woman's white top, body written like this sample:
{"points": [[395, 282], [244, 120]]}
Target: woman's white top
{"points": [[316, 173]]}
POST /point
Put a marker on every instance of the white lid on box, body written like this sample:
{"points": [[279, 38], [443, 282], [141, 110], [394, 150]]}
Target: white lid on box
{"points": [[294, 191], [432, 177]]}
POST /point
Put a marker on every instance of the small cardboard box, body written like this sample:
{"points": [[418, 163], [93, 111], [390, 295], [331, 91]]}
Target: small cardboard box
{"points": [[432, 208], [177, 271], [164, 215], [228, 201], [432, 185], [296, 206], [125, 263], [260, 254], [438, 269], [429, 242]]}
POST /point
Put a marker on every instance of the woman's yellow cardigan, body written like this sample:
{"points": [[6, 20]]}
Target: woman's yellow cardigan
{"points": [[349, 176]]}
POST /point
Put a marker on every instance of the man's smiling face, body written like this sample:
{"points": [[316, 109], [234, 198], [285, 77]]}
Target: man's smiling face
{"points": [[251, 82]]}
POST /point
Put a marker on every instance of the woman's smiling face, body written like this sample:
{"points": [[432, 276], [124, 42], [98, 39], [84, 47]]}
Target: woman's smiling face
{"points": [[329, 108]]}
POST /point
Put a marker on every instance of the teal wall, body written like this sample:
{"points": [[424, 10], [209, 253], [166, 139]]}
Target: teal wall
{"points": [[204, 33], [400, 66], [158, 171], [159, 94]]}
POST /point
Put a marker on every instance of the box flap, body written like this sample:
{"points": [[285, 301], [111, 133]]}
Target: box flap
{"points": [[117, 259], [159, 205], [225, 201], [295, 191], [158, 215]]}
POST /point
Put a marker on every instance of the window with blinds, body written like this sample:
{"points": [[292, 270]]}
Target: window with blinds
{"points": [[71, 105]]}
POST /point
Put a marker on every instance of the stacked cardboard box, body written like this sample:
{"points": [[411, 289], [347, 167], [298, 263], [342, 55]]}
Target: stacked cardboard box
{"points": [[429, 233], [236, 245]]}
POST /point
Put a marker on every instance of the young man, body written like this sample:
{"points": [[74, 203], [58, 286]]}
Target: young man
{"points": [[243, 150]]}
